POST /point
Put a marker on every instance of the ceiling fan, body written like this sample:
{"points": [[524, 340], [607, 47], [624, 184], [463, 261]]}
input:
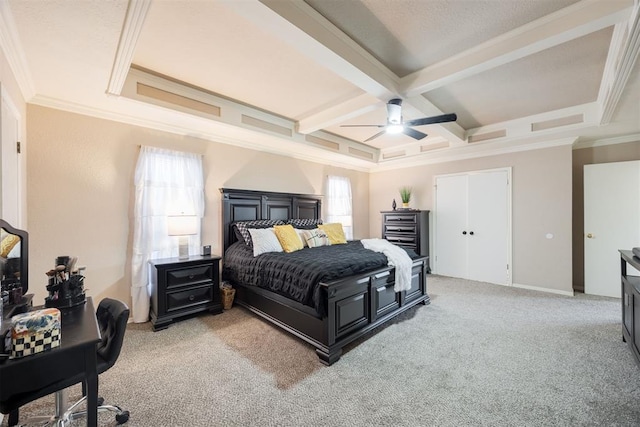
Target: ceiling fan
{"points": [[395, 124]]}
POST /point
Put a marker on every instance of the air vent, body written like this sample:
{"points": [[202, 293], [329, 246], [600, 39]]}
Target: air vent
{"points": [[430, 147], [322, 142], [563, 121], [393, 154], [360, 153], [179, 100], [489, 135], [252, 121]]}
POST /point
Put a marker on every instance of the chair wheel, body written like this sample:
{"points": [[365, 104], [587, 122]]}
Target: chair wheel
{"points": [[100, 401], [123, 417]]}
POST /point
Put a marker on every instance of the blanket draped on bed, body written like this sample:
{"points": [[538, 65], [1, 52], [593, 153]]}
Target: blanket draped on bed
{"points": [[397, 258]]}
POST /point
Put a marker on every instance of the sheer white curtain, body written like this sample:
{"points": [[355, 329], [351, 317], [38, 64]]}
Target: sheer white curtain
{"points": [[339, 203], [166, 183]]}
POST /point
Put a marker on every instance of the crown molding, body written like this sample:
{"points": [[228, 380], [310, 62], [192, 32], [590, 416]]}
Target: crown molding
{"points": [[12, 48], [470, 152], [607, 141]]}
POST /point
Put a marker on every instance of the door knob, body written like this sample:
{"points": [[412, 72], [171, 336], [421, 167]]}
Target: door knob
{"points": [[589, 236], [464, 232], [471, 232]]}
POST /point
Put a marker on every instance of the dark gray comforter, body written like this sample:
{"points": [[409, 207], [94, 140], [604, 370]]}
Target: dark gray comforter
{"points": [[296, 275]]}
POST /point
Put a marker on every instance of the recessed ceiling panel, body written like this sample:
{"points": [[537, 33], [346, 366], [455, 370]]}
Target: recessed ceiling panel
{"points": [[409, 35], [563, 76], [209, 45]]}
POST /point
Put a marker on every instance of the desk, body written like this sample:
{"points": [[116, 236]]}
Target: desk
{"points": [[76, 358]]}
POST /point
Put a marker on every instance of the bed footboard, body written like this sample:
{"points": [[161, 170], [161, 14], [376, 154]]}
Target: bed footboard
{"points": [[355, 306]]}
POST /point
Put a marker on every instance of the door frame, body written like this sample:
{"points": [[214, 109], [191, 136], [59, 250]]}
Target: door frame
{"points": [[434, 223]]}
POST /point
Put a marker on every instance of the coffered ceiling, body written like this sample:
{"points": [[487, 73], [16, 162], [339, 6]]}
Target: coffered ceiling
{"points": [[284, 76]]}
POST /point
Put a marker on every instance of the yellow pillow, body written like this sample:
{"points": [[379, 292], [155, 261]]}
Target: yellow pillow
{"points": [[288, 238], [7, 244], [335, 232]]}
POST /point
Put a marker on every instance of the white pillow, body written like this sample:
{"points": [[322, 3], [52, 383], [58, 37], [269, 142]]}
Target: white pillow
{"points": [[264, 240], [301, 235]]}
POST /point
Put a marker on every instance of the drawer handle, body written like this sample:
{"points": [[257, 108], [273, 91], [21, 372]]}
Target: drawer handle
{"points": [[192, 297], [191, 276]]}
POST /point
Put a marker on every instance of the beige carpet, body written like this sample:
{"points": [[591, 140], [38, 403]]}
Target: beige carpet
{"points": [[480, 354]]}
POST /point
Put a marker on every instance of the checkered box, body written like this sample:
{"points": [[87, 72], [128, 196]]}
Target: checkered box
{"points": [[35, 332]]}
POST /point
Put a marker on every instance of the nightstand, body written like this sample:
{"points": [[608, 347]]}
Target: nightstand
{"points": [[182, 287]]}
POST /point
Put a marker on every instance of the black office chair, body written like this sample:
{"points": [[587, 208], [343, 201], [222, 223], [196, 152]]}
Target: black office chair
{"points": [[112, 318]]}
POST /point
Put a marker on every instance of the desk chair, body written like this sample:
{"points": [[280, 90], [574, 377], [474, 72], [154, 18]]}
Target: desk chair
{"points": [[112, 318]]}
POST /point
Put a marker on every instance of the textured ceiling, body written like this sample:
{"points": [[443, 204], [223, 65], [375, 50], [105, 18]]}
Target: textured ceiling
{"points": [[311, 66], [559, 77], [409, 35]]}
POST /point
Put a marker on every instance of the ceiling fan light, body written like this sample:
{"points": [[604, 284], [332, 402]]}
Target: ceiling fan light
{"points": [[392, 129]]}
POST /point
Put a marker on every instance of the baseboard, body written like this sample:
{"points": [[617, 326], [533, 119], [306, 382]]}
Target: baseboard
{"points": [[539, 289]]}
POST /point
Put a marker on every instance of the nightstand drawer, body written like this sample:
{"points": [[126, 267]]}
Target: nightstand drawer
{"points": [[190, 275], [192, 296]]}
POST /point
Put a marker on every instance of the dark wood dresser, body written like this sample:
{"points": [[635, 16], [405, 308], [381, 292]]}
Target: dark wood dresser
{"points": [[181, 287], [407, 228], [630, 303]]}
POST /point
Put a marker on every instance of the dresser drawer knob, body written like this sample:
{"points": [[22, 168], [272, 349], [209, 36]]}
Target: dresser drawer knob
{"points": [[192, 297], [191, 276]]}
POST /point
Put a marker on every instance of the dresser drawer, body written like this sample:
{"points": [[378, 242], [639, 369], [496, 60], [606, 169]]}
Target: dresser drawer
{"points": [[189, 297], [400, 239], [189, 275], [400, 228], [401, 218]]}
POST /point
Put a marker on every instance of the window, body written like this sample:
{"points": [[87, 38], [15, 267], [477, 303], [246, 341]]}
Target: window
{"points": [[166, 183], [339, 203]]}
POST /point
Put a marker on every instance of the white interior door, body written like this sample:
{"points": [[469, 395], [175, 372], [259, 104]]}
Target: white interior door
{"points": [[10, 185], [488, 236], [451, 221], [472, 224], [611, 222]]}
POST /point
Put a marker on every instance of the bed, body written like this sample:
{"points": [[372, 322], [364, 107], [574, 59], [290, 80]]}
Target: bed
{"points": [[349, 301]]}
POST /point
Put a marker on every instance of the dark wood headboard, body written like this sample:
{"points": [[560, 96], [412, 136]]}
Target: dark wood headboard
{"points": [[247, 205]]}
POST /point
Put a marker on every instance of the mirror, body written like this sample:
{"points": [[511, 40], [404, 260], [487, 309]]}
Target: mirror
{"points": [[14, 264]]}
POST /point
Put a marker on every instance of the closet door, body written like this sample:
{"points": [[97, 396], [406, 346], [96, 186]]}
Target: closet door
{"points": [[451, 223], [487, 222], [473, 226]]}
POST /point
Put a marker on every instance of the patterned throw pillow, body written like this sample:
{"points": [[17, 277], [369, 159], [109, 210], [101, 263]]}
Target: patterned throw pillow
{"points": [[335, 232], [315, 238], [264, 240], [243, 227], [288, 238], [304, 223]]}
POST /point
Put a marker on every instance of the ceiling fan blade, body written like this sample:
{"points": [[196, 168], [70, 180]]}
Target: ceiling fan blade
{"points": [[375, 136], [361, 126], [413, 133], [430, 120]]}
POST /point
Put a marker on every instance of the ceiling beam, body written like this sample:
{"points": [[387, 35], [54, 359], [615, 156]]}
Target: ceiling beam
{"points": [[337, 113], [623, 53], [574, 21], [314, 36], [133, 22]]}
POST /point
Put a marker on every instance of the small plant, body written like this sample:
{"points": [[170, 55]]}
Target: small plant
{"points": [[405, 194]]}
